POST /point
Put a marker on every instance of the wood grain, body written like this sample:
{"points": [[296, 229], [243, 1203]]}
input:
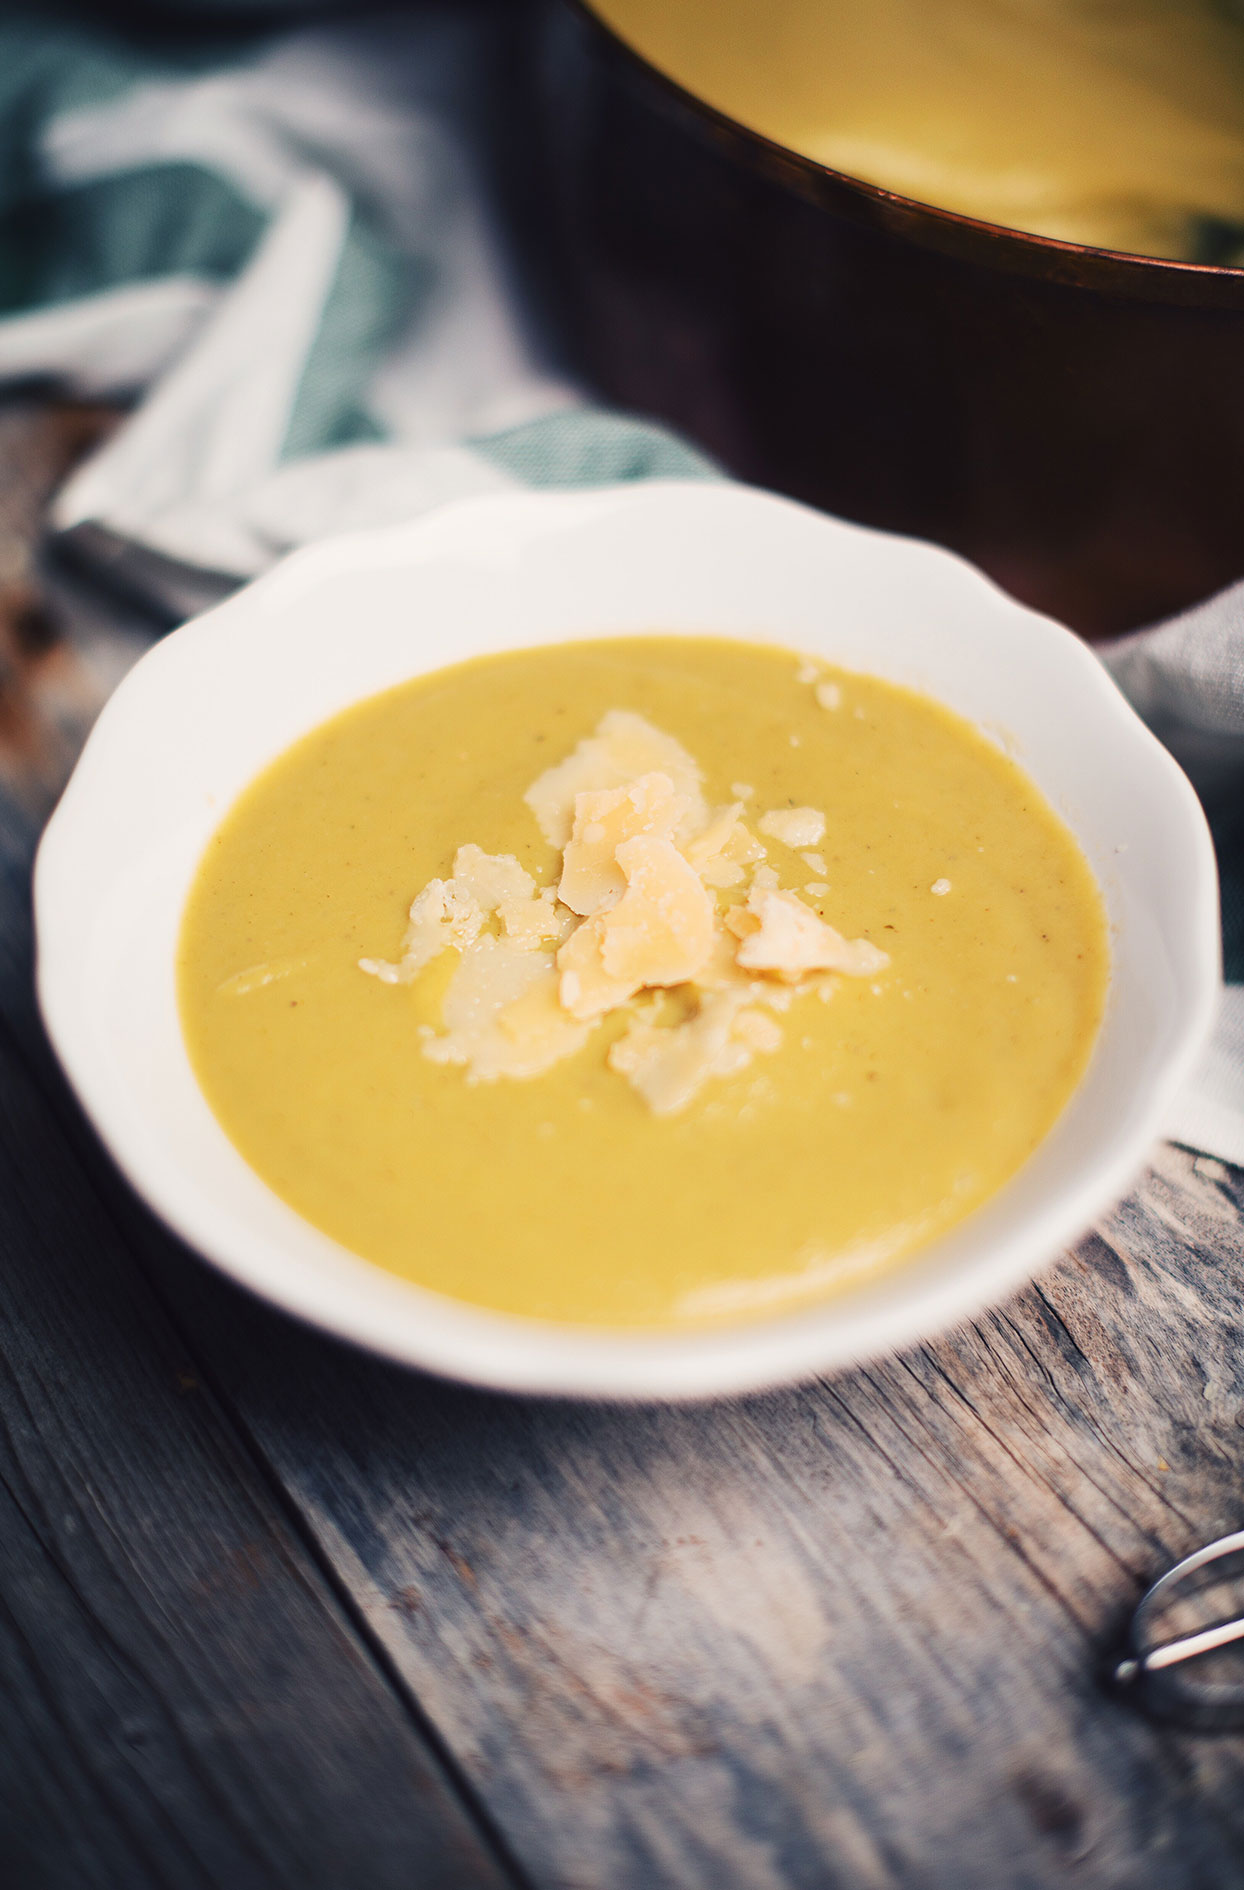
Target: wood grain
{"points": [[846, 1635]]}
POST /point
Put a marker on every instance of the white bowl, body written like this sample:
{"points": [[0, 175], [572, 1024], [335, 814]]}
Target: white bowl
{"points": [[215, 701]]}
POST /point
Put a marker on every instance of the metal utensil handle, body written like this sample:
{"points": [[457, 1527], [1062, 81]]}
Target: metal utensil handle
{"points": [[1156, 1672]]}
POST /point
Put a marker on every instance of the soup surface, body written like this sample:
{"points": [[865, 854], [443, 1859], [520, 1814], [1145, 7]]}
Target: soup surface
{"points": [[1118, 125], [896, 1099]]}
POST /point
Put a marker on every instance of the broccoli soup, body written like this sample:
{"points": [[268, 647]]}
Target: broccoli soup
{"points": [[654, 981]]}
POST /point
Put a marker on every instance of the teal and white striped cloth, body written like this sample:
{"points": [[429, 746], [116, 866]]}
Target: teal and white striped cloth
{"points": [[283, 256], [286, 257]]}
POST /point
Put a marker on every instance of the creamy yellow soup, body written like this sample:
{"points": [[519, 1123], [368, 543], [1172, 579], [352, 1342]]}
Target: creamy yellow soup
{"points": [[1115, 125], [896, 1102]]}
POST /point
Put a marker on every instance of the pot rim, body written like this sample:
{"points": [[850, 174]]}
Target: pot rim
{"points": [[994, 246]]}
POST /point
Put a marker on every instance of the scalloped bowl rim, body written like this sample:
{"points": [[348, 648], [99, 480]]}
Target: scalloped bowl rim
{"points": [[212, 703]]}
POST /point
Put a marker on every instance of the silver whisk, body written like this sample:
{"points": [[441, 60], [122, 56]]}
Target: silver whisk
{"points": [[1161, 1674]]}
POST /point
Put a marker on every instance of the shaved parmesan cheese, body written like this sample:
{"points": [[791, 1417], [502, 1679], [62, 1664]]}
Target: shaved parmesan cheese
{"points": [[721, 872], [714, 835], [742, 921], [623, 747], [634, 912], [537, 920], [792, 941], [661, 930], [794, 826], [828, 694], [721, 968], [501, 1015], [443, 914], [586, 989], [603, 821], [743, 846], [529, 916], [724, 848], [669, 1065], [537, 1026], [491, 878]]}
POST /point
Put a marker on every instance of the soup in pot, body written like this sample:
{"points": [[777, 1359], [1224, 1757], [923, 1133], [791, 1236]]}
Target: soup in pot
{"points": [[1119, 125]]}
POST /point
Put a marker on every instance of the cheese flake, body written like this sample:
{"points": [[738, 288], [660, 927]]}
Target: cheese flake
{"points": [[794, 826], [709, 842], [623, 747], [491, 878], [661, 930], [537, 920], [586, 989], [444, 914], [603, 821], [724, 848], [501, 1015], [721, 968], [792, 941], [669, 1065]]}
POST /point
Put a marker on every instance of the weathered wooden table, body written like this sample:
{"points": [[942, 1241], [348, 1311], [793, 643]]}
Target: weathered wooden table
{"points": [[275, 1614]]}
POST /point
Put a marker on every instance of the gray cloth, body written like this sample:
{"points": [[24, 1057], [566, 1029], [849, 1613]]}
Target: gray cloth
{"points": [[1186, 678]]}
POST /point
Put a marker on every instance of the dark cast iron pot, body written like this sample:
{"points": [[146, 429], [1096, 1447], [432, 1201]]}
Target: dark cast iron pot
{"points": [[1070, 419]]}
